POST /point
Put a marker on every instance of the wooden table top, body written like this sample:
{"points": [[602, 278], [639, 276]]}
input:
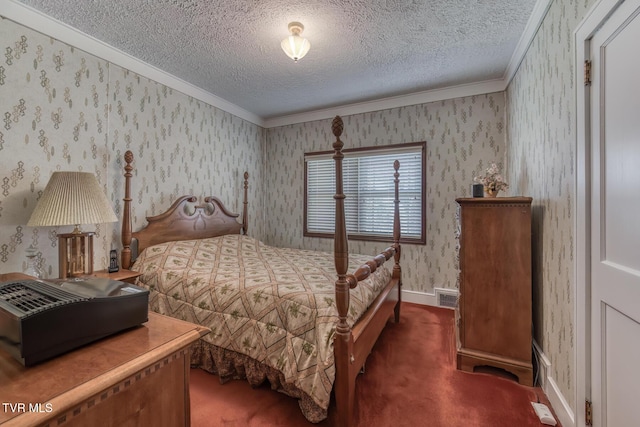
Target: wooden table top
{"points": [[64, 380]]}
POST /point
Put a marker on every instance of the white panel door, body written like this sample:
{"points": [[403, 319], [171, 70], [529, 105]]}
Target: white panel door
{"points": [[615, 218]]}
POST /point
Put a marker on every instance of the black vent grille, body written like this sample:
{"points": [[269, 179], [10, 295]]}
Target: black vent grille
{"points": [[27, 297]]}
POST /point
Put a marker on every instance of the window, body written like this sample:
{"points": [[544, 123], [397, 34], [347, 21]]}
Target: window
{"points": [[368, 184]]}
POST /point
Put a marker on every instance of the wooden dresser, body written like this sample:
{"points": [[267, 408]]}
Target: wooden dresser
{"points": [[136, 377], [494, 310]]}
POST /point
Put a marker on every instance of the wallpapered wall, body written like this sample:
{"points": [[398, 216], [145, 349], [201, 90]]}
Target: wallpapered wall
{"points": [[463, 136], [64, 109], [542, 158]]}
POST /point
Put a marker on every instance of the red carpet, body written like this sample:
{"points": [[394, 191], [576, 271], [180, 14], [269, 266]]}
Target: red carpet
{"points": [[410, 380]]}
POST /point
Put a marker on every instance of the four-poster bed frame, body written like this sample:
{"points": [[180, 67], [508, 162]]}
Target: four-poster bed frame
{"points": [[183, 221]]}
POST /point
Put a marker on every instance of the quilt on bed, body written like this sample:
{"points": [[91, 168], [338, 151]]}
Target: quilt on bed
{"points": [[275, 305]]}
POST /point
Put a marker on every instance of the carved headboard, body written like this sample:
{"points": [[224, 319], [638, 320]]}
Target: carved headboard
{"points": [[186, 219]]}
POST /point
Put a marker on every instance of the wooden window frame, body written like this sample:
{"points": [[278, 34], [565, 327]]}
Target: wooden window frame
{"points": [[358, 152]]}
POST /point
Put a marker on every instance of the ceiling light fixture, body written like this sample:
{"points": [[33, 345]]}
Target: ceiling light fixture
{"points": [[294, 46]]}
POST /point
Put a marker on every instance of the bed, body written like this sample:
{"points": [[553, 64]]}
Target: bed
{"points": [[303, 320]]}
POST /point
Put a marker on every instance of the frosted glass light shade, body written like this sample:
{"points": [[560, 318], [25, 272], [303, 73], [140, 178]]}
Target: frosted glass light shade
{"points": [[294, 46], [72, 198]]}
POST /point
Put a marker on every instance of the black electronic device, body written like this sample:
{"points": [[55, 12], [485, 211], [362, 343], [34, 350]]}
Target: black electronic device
{"points": [[113, 261], [477, 190], [40, 320]]}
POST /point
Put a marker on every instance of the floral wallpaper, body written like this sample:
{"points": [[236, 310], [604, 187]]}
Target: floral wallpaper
{"points": [[463, 135], [542, 157], [64, 109]]}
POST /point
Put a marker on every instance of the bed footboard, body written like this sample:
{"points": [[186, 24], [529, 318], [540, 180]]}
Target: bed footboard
{"points": [[351, 346]]}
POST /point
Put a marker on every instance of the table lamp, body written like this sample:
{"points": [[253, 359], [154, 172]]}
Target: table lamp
{"points": [[73, 198]]}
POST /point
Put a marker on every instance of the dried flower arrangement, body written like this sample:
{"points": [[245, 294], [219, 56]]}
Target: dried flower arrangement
{"points": [[492, 180]]}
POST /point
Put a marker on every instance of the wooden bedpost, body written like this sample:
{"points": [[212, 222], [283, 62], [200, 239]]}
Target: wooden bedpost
{"points": [[341, 246], [345, 382], [244, 204], [396, 238], [126, 214]]}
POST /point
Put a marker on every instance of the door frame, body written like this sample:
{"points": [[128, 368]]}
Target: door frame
{"points": [[590, 24]]}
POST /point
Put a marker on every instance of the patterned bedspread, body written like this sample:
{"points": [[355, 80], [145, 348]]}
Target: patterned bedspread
{"points": [[274, 305]]}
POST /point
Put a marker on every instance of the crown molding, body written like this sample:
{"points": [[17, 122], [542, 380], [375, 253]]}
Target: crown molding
{"points": [[37, 21], [538, 14], [416, 98]]}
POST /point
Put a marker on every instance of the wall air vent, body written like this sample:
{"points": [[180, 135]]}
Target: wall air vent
{"points": [[447, 297]]}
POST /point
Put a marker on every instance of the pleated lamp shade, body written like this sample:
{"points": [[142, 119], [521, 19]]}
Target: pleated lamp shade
{"points": [[72, 198]]}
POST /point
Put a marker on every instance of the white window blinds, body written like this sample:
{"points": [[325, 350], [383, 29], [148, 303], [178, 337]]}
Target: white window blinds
{"points": [[369, 186]]}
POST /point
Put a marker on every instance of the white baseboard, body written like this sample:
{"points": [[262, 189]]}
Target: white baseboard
{"points": [[419, 297], [559, 404]]}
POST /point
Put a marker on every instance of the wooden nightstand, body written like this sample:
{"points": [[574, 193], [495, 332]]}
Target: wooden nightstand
{"points": [[122, 275]]}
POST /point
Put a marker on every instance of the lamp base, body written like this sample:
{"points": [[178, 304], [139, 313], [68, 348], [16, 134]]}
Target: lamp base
{"points": [[75, 254]]}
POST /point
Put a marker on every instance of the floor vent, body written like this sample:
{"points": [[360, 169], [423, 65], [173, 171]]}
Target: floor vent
{"points": [[447, 298]]}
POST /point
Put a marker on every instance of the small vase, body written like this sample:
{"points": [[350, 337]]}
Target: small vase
{"points": [[491, 192]]}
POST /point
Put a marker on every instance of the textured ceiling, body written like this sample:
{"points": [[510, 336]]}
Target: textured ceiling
{"points": [[361, 50]]}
